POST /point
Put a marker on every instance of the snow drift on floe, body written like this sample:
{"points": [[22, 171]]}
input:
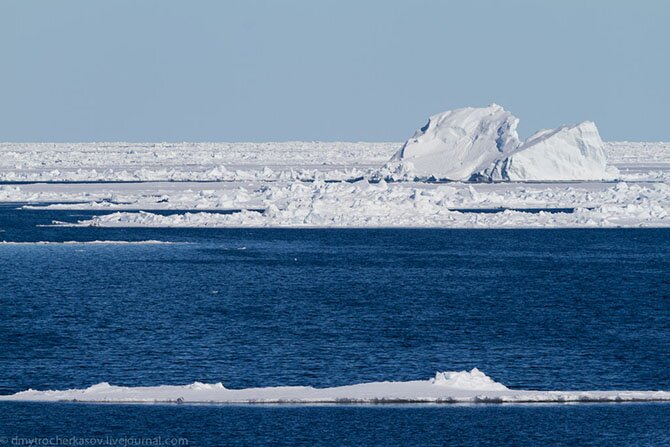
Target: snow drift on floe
{"points": [[448, 387], [482, 144]]}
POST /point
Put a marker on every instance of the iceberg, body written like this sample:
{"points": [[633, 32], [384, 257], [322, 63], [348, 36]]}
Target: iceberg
{"points": [[456, 143], [566, 153], [482, 144]]}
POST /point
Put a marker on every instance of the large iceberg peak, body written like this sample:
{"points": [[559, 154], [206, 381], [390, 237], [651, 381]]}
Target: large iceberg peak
{"points": [[456, 143], [482, 144]]}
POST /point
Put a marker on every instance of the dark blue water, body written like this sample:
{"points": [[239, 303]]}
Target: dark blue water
{"points": [[486, 425], [542, 309]]}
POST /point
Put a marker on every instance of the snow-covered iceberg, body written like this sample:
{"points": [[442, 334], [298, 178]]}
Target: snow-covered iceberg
{"points": [[456, 143], [448, 387], [481, 144], [566, 153]]}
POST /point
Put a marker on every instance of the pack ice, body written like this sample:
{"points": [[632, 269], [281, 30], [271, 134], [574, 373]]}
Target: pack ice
{"points": [[482, 144]]}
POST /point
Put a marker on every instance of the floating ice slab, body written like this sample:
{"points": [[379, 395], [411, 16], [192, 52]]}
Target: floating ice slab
{"points": [[456, 143], [147, 242], [447, 387]]}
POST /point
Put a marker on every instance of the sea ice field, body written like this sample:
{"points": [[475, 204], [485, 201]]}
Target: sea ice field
{"points": [[312, 184]]}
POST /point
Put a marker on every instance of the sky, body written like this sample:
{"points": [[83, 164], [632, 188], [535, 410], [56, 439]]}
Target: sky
{"points": [[328, 70]]}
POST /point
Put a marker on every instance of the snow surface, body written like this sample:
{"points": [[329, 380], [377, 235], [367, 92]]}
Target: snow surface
{"points": [[446, 387], [455, 144]]}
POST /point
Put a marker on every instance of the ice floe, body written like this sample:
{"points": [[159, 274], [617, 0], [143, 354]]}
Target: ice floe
{"points": [[147, 242], [446, 387]]}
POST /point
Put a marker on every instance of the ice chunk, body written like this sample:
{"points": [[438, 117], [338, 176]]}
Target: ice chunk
{"points": [[566, 153], [467, 380], [481, 144], [456, 143]]}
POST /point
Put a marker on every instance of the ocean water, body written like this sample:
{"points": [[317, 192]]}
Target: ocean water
{"points": [[217, 425], [537, 309]]}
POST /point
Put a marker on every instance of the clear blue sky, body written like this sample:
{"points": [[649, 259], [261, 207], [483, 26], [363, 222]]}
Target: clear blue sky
{"points": [[250, 70]]}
